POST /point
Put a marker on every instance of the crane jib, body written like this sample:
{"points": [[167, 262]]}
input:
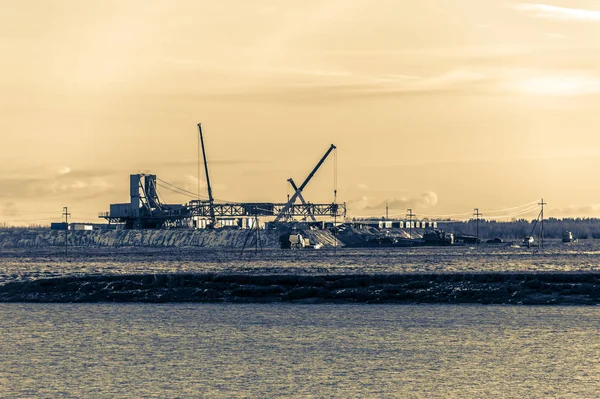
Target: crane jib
{"points": [[310, 176], [210, 196], [298, 190]]}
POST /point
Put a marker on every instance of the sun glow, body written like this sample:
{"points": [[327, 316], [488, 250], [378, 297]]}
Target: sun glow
{"points": [[565, 85]]}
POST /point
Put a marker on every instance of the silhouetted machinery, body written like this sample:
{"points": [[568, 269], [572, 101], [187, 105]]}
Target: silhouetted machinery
{"points": [[288, 210], [146, 211]]}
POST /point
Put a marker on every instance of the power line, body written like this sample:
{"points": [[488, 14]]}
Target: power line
{"points": [[194, 195], [183, 191], [176, 191], [530, 206], [514, 207]]}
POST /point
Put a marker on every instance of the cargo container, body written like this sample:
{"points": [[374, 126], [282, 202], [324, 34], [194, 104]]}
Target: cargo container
{"points": [[81, 227], [58, 226]]}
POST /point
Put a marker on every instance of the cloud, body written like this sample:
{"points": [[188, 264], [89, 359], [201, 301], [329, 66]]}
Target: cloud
{"points": [[563, 13], [71, 186], [563, 84], [9, 209], [221, 162], [64, 170], [426, 200], [358, 203], [575, 210], [462, 80], [363, 186], [554, 35], [190, 183]]}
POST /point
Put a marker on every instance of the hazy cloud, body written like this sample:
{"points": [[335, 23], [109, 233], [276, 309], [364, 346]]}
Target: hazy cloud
{"points": [[575, 210], [462, 80], [64, 170], [554, 35], [9, 209], [425, 200], [223, 162], [561, 84], [564, 13], [74, 186]]}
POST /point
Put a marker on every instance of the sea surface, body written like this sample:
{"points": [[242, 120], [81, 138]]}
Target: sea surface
{"points": [[25, 264], [298, 351]]}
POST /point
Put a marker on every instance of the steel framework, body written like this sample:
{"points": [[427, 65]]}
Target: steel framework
{"points": [[268, 209], [175, 217]]}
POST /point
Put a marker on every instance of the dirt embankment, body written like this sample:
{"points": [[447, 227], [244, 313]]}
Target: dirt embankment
{"points": [[482, 288], [220, 238]]}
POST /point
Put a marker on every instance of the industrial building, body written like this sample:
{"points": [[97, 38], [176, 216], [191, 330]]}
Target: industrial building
{"points": [[145, 210]]}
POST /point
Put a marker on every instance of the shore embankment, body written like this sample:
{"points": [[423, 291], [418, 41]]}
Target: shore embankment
{"points": [[218, 238], [548, 288]]}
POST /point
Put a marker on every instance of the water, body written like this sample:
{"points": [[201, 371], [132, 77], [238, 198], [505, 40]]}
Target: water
{"points": [[300, 351], [34, 263]]}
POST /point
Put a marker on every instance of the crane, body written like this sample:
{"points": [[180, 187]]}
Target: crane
{"points": [[298, 190], [211, 200]]}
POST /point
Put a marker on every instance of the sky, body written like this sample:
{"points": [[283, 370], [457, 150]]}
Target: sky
{"points": [[437, 106]]}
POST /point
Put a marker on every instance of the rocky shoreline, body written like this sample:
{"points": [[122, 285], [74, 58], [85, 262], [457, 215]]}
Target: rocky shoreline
{"points": [[525, 288]]}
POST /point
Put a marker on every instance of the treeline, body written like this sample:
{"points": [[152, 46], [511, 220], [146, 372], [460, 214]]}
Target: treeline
{"points": [[33, 226], [553, 228]]}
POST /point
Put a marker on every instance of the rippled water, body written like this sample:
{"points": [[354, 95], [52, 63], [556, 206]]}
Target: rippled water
{"points": [[34, 263], [300, 351]]}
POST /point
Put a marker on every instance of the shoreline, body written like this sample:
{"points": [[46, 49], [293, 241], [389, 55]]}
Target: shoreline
{"points": [[520, 288]]}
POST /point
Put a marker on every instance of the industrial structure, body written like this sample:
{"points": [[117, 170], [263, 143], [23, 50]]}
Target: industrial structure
{"points": [[145, 210]]}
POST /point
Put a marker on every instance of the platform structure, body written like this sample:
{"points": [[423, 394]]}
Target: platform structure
{"points": [[146, 211], [244, 209]]}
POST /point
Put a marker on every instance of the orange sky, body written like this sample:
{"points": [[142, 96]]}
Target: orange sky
{"points": [[436, 105]]}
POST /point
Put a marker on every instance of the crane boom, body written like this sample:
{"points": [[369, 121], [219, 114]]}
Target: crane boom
{"points": [[298, 192], [301, 197], [210, 196], [310, 176]]}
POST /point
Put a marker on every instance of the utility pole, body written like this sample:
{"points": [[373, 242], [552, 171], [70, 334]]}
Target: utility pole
{"points": [[386, 211], [542, 203], [66, 214], [256, 234], [410, 215], [477, 214]]}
